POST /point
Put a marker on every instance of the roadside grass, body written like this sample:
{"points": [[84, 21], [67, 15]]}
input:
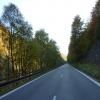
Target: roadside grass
{"points": [[15, 85], [12, 86], [92, 70]]}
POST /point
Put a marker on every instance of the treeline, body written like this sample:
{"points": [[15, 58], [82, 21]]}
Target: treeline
{"points": [[24, 54], [84, 35]]}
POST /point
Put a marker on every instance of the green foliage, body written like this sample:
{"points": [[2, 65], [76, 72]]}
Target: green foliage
{"points": [[76, 28], [91, 69], [49, 52], [83, 38], [74, 48], [26, 54]]}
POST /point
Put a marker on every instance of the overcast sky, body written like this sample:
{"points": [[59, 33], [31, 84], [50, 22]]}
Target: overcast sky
{"points": [[55, 16]]}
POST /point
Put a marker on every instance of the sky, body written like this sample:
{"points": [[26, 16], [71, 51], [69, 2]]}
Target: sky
{"points": [[54, 16]]}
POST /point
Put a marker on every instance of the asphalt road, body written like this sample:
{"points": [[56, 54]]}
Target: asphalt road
{"points": [[63, 83]]}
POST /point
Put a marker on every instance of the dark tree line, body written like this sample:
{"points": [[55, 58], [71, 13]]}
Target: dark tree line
{"points": [[84, 35], [25, 54]]}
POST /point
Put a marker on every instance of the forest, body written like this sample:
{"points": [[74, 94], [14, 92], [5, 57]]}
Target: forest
{"points": [[84, 35], [22, 52], [84, 48]]}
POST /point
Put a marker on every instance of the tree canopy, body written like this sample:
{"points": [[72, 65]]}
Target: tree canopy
{"points": [[26, 55], [83, 38]]}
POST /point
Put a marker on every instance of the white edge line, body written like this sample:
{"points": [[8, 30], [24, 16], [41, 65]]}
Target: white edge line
{"points": [[88, 77], [26, 84], [54, 97], [19, 87]]}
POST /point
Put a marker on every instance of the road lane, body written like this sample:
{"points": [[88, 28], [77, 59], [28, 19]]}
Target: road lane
{"points": [[63, 83]]}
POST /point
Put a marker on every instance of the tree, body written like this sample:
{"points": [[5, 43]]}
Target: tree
{"points": [[12, 18], [26, 55], [96, 16], [42, 37], [52, 53], [77, 29], [83, 40], [19, 31], [49, 53]]}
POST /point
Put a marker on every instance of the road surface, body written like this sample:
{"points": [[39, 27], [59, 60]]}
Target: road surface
{"points": [[63, 83]]}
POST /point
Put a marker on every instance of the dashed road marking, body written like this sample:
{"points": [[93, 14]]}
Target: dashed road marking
{"points": [[54, 97], [31, 82]]}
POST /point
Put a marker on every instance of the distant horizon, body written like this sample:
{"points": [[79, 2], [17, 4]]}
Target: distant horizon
{"points": [[54, 16]]}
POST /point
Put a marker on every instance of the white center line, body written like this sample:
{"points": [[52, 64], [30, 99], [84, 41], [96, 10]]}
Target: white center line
{"points": [[54, 97]]}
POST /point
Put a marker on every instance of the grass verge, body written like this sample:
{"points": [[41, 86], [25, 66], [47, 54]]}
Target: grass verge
{"points": [[12, 86], [92, 70]]}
